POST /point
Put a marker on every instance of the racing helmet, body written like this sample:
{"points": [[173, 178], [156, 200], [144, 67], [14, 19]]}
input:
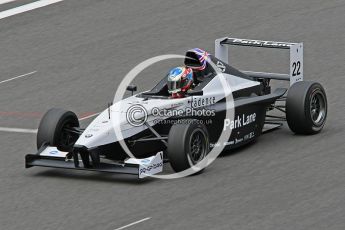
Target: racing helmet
{"points": [[180, 79], [196, 59]]}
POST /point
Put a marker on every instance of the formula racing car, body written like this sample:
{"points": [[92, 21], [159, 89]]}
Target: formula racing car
{"points": [[182, 131]]}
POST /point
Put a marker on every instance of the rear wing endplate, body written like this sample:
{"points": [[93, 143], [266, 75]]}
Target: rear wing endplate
{"points": [[296, 56]]}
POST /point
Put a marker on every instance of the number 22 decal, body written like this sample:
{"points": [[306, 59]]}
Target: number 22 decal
{"points": [[296, 68]]}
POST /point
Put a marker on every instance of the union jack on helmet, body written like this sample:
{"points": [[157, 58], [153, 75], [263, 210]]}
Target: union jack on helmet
{"points": [[202, 56]]}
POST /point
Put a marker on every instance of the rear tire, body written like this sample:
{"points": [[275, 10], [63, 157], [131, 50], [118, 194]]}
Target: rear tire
{"points": [[51, 129], [188, 144], [306, 107]]}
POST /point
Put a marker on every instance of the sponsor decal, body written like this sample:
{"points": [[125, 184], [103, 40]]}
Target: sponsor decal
{"points": [[261, 43], [151, 167], [229, 143], [53, 152], [145, 161], [212, 145], [204, 101], [221, 66], [239, 140], [174, 105], [235, 141], [249, 136], [88, 135], [239, 121], [148, 169]]}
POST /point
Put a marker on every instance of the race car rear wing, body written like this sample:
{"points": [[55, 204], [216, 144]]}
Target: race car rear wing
{"points": [[296, 56]]}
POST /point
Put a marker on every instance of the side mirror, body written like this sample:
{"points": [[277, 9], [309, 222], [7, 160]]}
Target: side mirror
{"points": [[132, 88]]}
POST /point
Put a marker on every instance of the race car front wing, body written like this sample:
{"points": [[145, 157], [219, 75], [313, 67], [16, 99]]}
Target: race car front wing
{"points": [[53, 158]]}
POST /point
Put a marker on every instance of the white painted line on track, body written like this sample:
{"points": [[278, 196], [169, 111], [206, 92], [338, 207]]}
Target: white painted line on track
{"points": [[6, 1], [20, 76], [87, 117], [34, 131], [27, 7], [17, 130], [134, 223]]}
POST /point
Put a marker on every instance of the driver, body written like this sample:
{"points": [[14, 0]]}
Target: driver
{"points": [[180, 80]]}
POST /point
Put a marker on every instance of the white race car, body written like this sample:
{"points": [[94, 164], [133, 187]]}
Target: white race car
{"points": [[158, 129]]}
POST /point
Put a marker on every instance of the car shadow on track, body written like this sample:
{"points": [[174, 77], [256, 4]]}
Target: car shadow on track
{"points": [[93, 176]]}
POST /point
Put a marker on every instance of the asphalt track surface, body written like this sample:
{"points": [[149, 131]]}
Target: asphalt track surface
{"points": [[82, 49]]}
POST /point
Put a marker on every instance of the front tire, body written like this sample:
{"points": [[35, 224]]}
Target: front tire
{"points": [[306, 107], [52, 129], [188, 144]]}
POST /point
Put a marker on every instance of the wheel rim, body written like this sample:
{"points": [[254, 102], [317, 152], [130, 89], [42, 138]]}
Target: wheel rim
{"points": [[197, 145], [67, 139], [318, 108]]}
